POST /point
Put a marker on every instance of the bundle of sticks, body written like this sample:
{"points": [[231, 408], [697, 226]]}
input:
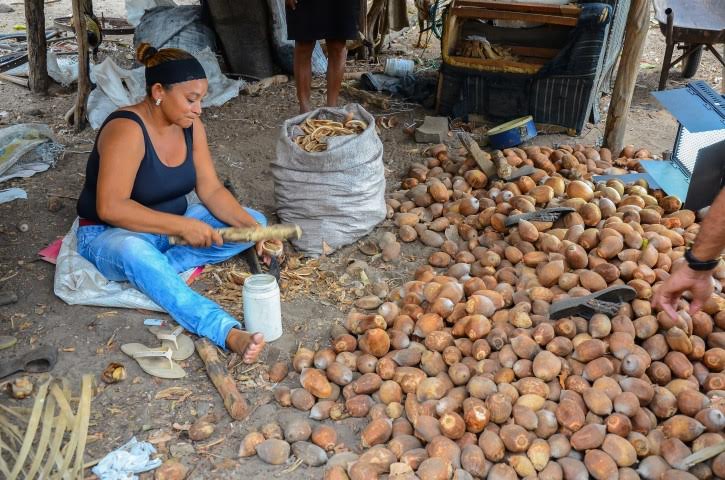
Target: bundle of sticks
{"points": [[480, 47], [317, 131]]}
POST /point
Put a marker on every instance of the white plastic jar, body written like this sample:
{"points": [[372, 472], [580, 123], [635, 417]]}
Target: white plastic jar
{"points": [[262, 312]]}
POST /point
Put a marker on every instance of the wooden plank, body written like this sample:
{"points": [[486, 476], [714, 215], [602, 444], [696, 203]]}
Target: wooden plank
{"points": [[13, 79], [567, 10], [534, 60], [503, 64], [531, 51], [486, 14], [634, 38], [378, 101]]}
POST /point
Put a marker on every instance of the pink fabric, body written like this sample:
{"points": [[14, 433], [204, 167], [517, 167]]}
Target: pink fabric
{"points": [[50, 253]]}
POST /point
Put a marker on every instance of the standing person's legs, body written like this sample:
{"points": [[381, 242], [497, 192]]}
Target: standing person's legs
{"points": [[303, 73], [336, 56]]}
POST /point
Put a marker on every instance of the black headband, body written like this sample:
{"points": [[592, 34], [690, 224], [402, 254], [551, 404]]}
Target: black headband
{"points": [[175, 71]]}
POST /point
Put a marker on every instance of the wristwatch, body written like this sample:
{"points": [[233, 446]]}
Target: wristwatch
{"points": [[700, 265]]}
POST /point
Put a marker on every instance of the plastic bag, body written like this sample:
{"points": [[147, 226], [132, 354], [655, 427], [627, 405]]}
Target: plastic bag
{"points": [[118, 87], [63, 69], [136, 8], [127, 460], [174, 27], [10, 194], [26, 149], [337, 195]]}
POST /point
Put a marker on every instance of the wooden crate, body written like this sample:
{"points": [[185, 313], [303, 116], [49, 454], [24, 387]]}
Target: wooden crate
{"points": [[531, 56]]}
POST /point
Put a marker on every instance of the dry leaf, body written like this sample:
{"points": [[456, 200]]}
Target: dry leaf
{"points": [[173, 393], [159, 436]]}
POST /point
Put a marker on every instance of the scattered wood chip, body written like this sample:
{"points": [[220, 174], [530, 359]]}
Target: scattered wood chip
{"points": [[173, 393]]}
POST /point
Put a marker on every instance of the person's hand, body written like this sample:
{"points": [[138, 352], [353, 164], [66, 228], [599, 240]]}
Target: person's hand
{"points": [[291, 4], [199, 234], [682, 279], [266, 258]]}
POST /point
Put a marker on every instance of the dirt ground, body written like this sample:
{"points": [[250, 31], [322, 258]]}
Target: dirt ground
{"points": [[242, 135]]}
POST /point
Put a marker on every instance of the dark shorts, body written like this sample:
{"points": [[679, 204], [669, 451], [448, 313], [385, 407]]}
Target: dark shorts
{"points": [[323, 20]]}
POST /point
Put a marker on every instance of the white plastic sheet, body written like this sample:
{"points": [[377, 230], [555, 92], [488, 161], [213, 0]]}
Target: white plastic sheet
{"points": [[78, 282], [10, 194]]}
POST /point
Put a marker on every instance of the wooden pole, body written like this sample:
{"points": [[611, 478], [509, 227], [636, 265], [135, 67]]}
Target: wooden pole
{"points": [[366, 97], [234, 402], [362, 27], [84, 81], [634, 38], [37, 46]]}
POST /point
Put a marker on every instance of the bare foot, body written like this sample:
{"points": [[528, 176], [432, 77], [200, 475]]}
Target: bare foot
{"points": [[245, 344]]}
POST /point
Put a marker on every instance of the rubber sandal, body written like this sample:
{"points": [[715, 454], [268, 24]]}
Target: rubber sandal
{"points": [[545, 215], [154, 361], [181, 346], [40, 360], [607, 301], [6, 341]]}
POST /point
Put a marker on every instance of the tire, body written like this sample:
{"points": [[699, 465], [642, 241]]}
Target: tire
{"points": [[692, 62]]}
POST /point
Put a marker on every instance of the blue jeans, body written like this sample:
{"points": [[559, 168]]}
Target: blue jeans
{"points": [[151, 265]]}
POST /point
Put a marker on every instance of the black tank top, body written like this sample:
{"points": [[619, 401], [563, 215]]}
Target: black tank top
{"points": [[156, 186]]}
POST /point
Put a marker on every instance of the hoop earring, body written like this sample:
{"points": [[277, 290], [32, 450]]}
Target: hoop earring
{"points": [[158, 102]]}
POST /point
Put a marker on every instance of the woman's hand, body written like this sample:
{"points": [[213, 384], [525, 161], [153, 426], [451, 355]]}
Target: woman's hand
{"points": [[266, 258], [291, 4], [199, 234], [681, 280]]}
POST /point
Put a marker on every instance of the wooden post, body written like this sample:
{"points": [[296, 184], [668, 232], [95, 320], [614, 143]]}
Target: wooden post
{"points": [[84, 81], [362, 27], [634, 37], [37, 46]]}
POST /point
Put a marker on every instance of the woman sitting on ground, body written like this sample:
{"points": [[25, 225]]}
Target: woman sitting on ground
{"points": [[146, 159]]}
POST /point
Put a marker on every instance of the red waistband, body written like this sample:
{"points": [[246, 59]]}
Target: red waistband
{"points": [[84, 222]]}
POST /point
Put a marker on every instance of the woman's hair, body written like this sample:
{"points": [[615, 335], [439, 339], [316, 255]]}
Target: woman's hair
{"points": [[149, 57]]}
